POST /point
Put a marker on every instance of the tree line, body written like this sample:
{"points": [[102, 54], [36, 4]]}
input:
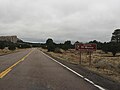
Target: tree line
{"points": [[13, 46], [106, 47], [113, 46]]}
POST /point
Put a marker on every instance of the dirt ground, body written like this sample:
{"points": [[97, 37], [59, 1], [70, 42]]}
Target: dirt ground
{"points": [[103, 64]]}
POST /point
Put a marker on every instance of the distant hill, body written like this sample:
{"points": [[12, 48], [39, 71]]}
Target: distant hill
{"points": [[13, 39]]}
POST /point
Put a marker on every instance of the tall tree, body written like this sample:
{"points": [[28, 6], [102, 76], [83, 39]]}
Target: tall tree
{"points": [[12, 47], [67, 45], [112, 47], [50, 45], [49, 41], [2, 45], [116, 36]]}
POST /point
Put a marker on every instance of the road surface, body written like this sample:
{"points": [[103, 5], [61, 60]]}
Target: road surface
{"points": [[32, 70]]}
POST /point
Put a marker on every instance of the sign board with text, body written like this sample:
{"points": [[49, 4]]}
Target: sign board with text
{"points": [[87, 47]]}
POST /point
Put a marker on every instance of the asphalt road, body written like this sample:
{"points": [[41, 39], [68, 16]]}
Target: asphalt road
{"points": [[32, 70]]}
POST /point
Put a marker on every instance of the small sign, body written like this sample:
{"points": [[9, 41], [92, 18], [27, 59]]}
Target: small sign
{"points": [[85, 47], [88, 47]]}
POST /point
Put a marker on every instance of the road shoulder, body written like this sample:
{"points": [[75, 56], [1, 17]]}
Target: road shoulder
{"points": [[96, 78]]}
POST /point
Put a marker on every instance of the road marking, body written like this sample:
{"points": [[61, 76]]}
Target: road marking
{"points": [[99, 87], [5, 72]]}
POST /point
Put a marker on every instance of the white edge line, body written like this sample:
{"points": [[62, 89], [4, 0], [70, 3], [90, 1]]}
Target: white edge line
{"points": [[101, 88]]}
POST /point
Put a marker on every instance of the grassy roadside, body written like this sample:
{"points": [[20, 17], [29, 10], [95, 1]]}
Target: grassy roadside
{"points": [[102, 64], [5, 51]]}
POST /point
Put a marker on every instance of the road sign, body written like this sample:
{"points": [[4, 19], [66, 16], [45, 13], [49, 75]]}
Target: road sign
{"points": [[85, 47], [88, 47]]}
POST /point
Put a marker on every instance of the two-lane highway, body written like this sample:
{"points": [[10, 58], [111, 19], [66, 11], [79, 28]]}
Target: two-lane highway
{"points": [[32, 70]]}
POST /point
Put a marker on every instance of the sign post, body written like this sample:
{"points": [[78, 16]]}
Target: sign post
{"points": [[86, 47], [80, 61], [90, 57]]}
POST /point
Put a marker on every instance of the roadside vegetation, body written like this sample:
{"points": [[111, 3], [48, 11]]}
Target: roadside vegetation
{"points": [[102, 63], [9, 47], [105, 61], [113, 46]]}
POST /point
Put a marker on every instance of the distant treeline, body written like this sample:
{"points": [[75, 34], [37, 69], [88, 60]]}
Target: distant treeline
{"points": [[106, 46], [13, 46], [112, 46], [53, 47]]}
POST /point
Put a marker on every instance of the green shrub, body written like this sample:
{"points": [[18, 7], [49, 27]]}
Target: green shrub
{"points": [[12, 47]]}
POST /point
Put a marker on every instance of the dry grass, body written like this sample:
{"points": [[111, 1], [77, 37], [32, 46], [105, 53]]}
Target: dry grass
{"points": [[102, 63], [6, 51]]}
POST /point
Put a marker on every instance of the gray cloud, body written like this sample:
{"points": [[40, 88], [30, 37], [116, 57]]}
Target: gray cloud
{"points": [[37, 20]]}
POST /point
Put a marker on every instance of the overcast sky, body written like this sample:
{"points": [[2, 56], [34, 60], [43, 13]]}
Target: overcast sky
{"points": [[82, 20]]}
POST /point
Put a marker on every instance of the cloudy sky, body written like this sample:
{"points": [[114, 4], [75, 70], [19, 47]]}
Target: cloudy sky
{"points": [[37, 20]]}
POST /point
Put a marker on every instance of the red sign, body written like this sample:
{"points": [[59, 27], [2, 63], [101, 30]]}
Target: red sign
{"points": [[92, 47]]}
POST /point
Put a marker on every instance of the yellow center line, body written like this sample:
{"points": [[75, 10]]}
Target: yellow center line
{"points": [[5, 72]]}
